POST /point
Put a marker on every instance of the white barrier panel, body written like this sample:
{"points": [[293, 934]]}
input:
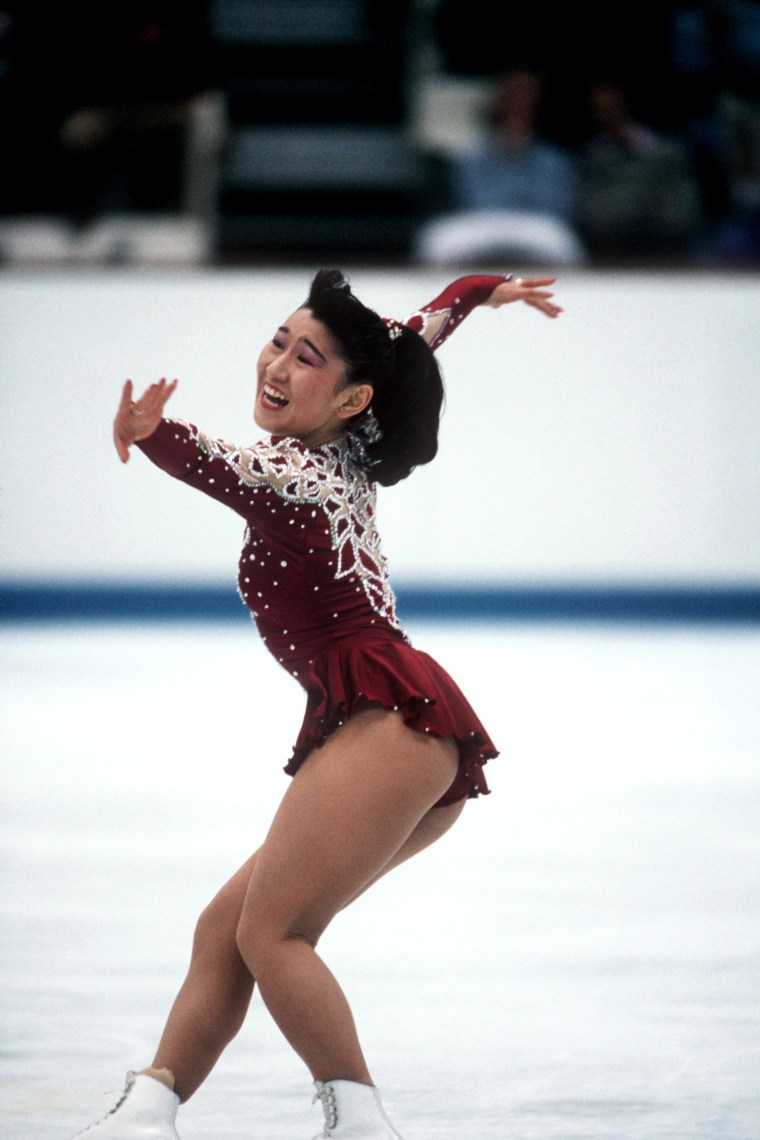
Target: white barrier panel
{"points": [[618, 443]]}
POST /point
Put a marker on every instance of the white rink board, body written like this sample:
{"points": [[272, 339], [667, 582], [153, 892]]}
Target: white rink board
{"points": [[619, 443]]}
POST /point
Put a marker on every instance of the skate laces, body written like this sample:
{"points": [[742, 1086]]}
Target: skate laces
{"points": [[131, 1076], [326, 1095]]}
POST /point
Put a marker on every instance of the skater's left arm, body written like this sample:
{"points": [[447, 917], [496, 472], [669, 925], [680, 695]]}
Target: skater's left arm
{"points": [[437, 320]]}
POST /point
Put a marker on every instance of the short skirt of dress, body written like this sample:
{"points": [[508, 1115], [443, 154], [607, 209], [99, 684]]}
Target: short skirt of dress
{"points": [[358, 673]]}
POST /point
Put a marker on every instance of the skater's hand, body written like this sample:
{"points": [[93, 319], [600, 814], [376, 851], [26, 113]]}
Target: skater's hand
{"points": [[530, 290], [138, 419]]}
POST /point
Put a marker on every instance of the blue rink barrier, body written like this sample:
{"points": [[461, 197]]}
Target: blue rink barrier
{"points": [[182, 602]]}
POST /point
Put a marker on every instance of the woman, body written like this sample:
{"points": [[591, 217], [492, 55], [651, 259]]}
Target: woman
{"points": [[389, 748]]}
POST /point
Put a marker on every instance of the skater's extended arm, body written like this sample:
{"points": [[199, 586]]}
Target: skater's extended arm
{"points": [[223, 471], [436, 321]]}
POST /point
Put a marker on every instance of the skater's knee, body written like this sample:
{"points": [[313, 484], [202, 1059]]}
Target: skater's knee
{"points": [[217, 923], [218, 968], [253, 939], [261, 939], [214, 932]]}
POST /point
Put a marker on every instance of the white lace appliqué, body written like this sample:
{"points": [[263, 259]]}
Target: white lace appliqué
{"points": [[327, 478], [431, 325]]}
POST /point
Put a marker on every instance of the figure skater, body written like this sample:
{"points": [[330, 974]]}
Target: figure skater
{"points": [[389, 749]]}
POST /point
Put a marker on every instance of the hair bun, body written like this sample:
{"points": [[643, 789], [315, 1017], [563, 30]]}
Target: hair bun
{"points": [[399, 366]]}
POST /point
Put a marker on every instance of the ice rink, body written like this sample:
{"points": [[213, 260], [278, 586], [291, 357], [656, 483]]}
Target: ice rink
{"points": [[579, 958]]}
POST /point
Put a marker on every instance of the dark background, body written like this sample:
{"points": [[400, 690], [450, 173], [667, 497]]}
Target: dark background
{"points": [[318, 149]]}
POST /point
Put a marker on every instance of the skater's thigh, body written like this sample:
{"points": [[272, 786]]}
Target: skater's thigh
{"points": [[349, 811], [431, 828], [227, 905]]}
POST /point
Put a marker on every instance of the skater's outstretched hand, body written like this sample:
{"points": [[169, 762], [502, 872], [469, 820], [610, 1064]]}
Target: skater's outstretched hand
{"points": [[530, 290], [137, 419]]}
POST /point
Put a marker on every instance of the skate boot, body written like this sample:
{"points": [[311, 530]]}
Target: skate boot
{"points": [[146, 1111], [352, 1112]]}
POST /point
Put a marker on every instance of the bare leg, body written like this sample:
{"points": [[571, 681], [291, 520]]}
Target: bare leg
{"points": [[213, 1001], [346, 817], [214, 998]]}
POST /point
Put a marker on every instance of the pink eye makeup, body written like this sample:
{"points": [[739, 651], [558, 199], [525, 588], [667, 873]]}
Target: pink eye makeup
{"points": [[310, 354]]}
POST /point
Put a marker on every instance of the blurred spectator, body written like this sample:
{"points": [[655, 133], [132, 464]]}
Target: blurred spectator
{"points": [[638, 194], [514, 167], [691, 73], [513, 192]]}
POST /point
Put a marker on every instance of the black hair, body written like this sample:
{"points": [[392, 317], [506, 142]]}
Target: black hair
{"points": [[402, 371]]}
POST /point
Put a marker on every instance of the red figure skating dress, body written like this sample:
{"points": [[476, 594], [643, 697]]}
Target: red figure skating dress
{"points": [[313, 575]]}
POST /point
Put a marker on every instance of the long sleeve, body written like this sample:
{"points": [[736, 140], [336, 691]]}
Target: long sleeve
{"points": [[183, 452], [229, 473], [436, 321]]}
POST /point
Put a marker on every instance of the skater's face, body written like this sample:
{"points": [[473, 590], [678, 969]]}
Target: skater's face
{"points": [[301, 386]]}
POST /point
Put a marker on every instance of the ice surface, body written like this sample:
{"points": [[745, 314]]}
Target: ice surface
{"points": [[580, 957]]}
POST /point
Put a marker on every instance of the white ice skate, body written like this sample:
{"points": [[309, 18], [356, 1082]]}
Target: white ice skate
{"points": [[353, 1112], [146, 1111]]}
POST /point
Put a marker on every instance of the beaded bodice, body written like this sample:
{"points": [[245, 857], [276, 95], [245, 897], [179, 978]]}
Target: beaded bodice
{"points": [[327, 479], [311, 568]]}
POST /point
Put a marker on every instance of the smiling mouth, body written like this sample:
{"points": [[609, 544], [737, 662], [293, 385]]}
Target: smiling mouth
{"points": [[271, 398]]}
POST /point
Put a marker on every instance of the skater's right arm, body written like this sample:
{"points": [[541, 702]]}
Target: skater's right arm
{"points": [[138, 419], [176, 447], [223, 471]]}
